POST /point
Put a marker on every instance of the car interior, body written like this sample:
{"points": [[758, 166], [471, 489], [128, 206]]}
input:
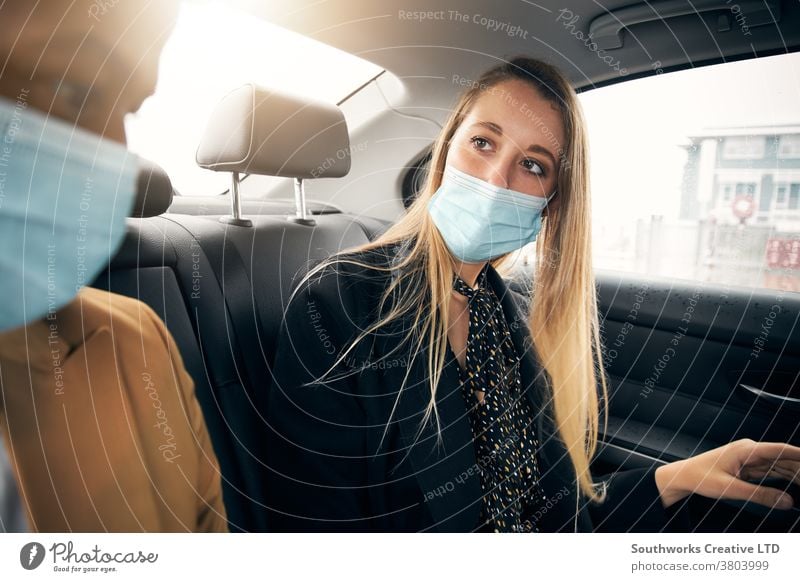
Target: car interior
{"points": [[218, 269]]}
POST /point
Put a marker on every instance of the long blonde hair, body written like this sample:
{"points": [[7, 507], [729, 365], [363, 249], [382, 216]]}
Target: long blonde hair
{"points": [[562, 317]]}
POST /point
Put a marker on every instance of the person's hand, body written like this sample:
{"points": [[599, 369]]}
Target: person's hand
{"points": [[722, 473]]}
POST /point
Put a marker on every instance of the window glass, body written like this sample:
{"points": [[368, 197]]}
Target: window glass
{"points": [[214, 49], [789, 146], [743, 147], [696, 174]]}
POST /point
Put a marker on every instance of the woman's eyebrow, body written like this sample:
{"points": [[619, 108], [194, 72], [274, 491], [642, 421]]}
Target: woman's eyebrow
{"points": [[536, 148]]}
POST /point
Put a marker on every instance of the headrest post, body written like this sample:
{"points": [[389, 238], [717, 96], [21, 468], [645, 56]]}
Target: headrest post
{"points": [[265, 132], [236, 205], [301, 214]]}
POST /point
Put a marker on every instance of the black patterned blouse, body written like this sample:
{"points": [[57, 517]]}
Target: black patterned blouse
{"points": [[502, 425]]}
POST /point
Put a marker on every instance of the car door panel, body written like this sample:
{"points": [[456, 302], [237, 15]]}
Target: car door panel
{"points": [[693, 366]]}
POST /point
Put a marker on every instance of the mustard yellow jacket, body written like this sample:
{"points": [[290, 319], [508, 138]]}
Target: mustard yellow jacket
{"points": [[101, 423]]}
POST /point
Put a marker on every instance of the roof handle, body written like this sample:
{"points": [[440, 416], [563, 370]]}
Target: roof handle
{"points": [[606, 29]]}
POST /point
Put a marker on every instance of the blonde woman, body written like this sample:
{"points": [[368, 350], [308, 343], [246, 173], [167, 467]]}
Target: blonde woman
{"points": [[408, 395]]}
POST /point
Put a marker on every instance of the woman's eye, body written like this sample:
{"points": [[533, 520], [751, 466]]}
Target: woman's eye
{"points": [[480, 143], [533, 167]]}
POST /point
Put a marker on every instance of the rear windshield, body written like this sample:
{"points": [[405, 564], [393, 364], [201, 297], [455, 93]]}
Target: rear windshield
{"points": [[214, 49]]}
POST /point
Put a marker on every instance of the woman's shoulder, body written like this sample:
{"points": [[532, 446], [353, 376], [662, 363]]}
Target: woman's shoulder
{"points": [[360, 274]]}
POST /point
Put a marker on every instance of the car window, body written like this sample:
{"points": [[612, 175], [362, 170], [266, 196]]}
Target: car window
{"points": [[214, 49], [696, 174]]}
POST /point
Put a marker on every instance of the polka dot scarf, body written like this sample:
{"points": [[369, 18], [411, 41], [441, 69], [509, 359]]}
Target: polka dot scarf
{"points": [[505, 443]]}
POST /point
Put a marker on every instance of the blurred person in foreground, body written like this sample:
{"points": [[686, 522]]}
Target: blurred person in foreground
{"points": [[97, 412]]}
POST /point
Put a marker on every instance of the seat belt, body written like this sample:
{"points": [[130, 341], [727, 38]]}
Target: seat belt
{"points": [[236, 290]]}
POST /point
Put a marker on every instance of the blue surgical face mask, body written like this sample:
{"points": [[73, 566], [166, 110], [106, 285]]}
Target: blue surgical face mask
{"points": [[480, 221], [64, 196]]}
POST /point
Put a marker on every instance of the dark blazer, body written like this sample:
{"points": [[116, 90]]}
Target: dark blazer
{"points": [[329, 468]]}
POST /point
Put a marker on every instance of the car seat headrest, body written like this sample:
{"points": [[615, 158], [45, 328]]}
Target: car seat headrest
{"points": [[153, 190], [259, 131]]}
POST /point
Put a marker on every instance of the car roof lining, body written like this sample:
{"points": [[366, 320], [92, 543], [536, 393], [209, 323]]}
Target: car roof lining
{"points": [[376, 32]]}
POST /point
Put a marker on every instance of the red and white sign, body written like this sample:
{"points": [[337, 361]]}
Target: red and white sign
{"points": [[743, 206]]}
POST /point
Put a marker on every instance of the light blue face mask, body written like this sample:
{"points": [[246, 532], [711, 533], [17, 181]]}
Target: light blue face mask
{"points": [[64, 196], [480, 221]]}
